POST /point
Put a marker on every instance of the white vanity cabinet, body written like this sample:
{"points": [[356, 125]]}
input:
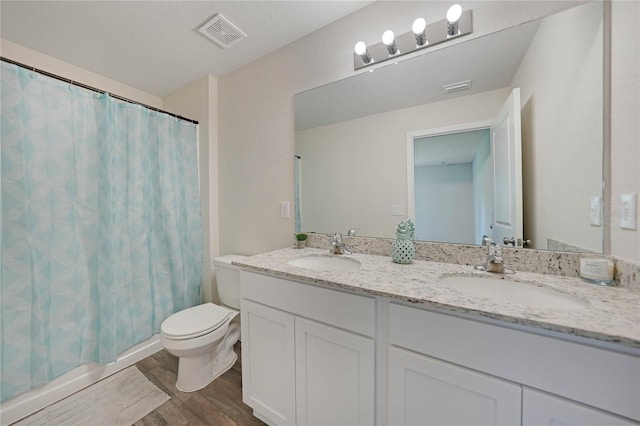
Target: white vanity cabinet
{"points": [[444, 369], [268, 356], [308, 353], [316, 355], [335, 374], [426, 391]]}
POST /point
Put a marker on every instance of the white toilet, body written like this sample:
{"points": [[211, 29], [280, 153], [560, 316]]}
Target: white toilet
{"points": [[203, 336]]}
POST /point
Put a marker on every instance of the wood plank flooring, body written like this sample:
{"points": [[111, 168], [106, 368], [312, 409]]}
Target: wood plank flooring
{"points": [[220, 403]]}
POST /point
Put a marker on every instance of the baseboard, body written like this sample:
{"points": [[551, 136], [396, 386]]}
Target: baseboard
{"points": [[262, 418], [36, 399]]}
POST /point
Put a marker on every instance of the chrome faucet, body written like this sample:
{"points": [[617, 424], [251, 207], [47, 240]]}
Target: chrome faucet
{"points": [[494, 262], [337, 246]]}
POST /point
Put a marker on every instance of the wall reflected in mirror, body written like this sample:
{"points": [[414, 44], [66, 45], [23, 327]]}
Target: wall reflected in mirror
{"points": [[351, 135]]}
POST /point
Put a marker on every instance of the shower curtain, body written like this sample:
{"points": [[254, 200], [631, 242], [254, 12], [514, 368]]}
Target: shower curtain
{"points": [[101, 234]]}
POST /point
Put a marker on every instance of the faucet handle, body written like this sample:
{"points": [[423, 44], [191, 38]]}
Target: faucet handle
{"points": [[512, 241], [486, 240]]}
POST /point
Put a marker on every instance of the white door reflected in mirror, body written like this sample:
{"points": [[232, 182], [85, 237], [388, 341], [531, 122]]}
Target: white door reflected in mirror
{"points": [[506, 152]]}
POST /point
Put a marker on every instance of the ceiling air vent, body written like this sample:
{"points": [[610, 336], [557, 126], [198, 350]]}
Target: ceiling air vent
{"points": [[219, 30], [456, 87]]}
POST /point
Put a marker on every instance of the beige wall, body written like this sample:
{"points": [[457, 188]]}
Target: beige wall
{"points": [[369, 163], [562, 98], [444, 203], [256, 135], [26, 56], [625, 121], [198, 101]]}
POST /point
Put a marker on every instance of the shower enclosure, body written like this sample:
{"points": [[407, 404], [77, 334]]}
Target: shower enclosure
{"points": [[101, 234]]}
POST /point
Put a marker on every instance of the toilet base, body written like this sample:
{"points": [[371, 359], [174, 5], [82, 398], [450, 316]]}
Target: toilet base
{"points": [[194, 373]]}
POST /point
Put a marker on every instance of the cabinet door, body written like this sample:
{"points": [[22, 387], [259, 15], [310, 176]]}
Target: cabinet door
{"points": [[426, 391], [268, 357], [539, 409], [335, 373]]}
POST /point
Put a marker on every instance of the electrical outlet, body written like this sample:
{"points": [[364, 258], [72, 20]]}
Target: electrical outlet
{"points": [[397, 210], [628, 213], [595, 209]]}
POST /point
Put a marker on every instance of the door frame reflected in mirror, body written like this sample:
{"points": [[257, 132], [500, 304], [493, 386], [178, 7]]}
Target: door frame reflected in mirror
{"points": [[412, 138]]}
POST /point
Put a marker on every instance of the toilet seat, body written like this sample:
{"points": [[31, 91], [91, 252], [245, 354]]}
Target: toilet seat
{"points": [[194, 322]]}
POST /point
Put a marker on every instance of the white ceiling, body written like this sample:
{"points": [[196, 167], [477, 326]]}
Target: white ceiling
{"points": [[155, 46], [452, 148]]}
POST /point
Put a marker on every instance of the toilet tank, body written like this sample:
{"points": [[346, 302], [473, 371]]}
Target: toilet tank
{"points": [[228, 280]]}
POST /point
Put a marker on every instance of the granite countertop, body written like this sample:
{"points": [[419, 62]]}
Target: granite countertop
{"points": [[611, 314]]}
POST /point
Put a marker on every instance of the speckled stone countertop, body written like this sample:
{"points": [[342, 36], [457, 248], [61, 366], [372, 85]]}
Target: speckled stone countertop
{"points": [[610, 314]]}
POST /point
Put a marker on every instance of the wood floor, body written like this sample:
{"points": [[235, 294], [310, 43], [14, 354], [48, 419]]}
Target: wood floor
{"points": [[220, 403]]}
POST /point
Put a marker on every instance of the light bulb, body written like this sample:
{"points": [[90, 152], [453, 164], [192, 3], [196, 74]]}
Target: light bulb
{"points": [[387, 37], [454, 13], [418, 26], [361, 50]]}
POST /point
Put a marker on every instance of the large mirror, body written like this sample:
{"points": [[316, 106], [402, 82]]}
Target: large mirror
{"points": [[381, 146]]}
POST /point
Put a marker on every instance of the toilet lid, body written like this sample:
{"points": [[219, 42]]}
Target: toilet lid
{"points": [[195, 321]]}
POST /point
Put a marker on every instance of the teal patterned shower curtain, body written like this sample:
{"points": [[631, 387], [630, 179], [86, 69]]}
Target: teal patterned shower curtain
{"points": [[101, 234]]}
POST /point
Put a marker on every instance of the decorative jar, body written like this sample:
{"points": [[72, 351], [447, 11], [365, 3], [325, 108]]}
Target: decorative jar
{"points": [[402, 249]]}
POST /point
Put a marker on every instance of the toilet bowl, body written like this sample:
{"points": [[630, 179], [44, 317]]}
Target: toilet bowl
{"points": [[203, 336]]}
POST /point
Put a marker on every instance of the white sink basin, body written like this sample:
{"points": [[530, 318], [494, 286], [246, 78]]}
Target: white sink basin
{"points": [[506, 290], [325, 263]]}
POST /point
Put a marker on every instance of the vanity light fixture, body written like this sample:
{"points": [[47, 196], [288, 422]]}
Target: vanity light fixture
{"points": [[362, 51], [457, 23], [388, 39], [453, 17], [419, 26]]}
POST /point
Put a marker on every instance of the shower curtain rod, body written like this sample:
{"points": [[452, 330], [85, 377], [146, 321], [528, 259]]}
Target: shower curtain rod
{"points": [[84, 86]]}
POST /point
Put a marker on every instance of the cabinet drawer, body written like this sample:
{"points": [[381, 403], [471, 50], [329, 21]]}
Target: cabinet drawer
{"points": [[543, 409], [590, 375], [344, 310]]}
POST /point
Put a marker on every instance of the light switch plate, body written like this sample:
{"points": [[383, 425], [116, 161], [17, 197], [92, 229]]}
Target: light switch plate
{"points": [[397, 210], [284, 210], [595, 209], [628, 211]]}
